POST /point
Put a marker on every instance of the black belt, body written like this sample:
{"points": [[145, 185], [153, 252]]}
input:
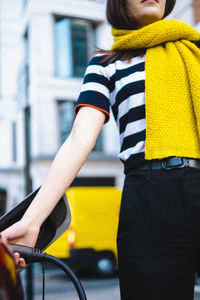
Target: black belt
{"points": [[170, 163]]}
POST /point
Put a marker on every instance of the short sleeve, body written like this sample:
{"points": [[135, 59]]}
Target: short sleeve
{"points": [[95, 91]]}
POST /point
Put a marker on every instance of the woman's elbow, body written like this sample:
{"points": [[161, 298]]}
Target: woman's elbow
{"points": [[82, 140], [87, 127]]}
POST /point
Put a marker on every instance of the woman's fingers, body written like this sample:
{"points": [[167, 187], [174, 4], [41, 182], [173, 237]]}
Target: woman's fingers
{"points": [[22, 263], [16, 257]]}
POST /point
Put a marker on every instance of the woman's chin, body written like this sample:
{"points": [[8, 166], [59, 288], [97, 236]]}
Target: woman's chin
{"points": [[149, 18]]}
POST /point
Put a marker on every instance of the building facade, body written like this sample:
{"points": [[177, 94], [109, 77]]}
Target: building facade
{"points": [[45, 46]]}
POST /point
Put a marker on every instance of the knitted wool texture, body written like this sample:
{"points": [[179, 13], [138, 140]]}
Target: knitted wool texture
{"points": [[172, 86]]}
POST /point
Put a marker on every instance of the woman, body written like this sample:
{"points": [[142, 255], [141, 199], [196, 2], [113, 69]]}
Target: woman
{"points": [[150, 78]]}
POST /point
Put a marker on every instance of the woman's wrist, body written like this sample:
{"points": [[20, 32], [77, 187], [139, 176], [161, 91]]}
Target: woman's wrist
{"points": [[31, 220]]}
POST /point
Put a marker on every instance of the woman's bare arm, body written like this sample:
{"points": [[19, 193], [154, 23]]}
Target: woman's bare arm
{"points": [[67, 163]]}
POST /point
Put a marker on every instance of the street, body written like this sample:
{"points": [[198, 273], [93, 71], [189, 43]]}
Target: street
{"points": [[59, 287]]}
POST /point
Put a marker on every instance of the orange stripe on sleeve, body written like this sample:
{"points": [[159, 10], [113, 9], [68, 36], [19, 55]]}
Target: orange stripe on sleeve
{"points": [[98, 108]]}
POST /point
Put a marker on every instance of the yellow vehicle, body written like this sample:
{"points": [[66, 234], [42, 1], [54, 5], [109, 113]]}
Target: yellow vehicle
{"points": [[92, 233], [60, 248]]}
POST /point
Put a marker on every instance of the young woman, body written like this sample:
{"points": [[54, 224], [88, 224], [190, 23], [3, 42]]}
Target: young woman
{"points": [[151, 80]]}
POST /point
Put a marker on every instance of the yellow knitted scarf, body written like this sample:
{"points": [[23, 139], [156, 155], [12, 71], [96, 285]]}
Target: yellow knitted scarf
{"points": [[172, 86]]}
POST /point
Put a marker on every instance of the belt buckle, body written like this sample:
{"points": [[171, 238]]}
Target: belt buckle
{"points": [[173, 163]]}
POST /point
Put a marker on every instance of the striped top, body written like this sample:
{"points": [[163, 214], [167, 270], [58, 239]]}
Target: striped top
{"points": [[120, 86]]}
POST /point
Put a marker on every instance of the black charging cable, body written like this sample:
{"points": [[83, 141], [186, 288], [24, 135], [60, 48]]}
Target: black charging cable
{"points": [[32, 255], [43, 280]]}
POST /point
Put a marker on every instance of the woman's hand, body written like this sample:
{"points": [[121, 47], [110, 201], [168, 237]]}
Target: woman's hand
{"points": [[21, 233]]}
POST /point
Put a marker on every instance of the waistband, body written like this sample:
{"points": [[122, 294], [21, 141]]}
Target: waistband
{"points": [[170, 163]]}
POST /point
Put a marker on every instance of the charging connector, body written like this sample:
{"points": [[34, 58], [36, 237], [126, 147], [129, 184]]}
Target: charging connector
{"points": [[32, 255]]}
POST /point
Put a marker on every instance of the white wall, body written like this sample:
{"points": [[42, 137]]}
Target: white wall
{"points": [[183, 11]]}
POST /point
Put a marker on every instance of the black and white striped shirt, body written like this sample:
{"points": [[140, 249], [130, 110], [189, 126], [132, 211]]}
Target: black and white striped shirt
{"points": [[119, 85]]}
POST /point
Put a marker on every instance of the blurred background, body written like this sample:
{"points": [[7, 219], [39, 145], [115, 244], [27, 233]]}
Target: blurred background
{"points": [[45, 46]]}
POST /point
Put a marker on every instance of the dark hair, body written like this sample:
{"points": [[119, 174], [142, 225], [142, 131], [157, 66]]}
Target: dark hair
{"points": [[118, 16]]}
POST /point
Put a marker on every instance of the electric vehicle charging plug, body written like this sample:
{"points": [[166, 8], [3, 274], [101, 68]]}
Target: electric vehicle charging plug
{"points": [[32, 255], [29, 254]]}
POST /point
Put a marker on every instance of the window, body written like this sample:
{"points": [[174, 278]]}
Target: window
{"points": [[66, 119], [73, 39], [99, 143]]}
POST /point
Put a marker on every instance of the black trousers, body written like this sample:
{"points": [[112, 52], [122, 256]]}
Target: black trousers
{"points": [[159, 234]]}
